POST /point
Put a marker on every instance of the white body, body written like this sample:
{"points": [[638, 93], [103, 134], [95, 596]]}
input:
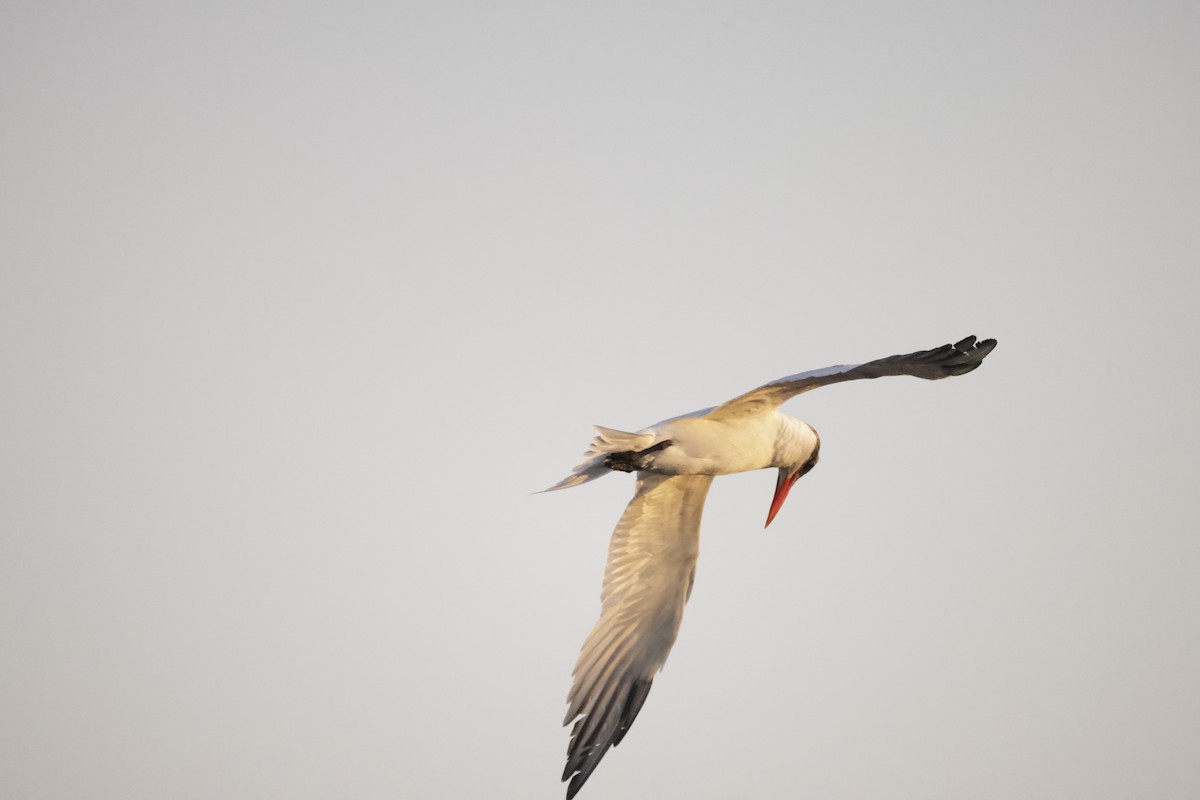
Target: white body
{"points": [[702, 444]]}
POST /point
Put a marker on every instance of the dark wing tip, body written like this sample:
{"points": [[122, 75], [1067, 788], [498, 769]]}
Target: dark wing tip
{"points": [[959, 358], [592, 738]]}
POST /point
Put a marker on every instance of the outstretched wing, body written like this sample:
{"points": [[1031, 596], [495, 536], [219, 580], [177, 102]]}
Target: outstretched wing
{"points": [[651, 565], [941, 362]]}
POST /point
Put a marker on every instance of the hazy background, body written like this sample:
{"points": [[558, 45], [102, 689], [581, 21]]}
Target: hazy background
{"points": [[300, 302]]}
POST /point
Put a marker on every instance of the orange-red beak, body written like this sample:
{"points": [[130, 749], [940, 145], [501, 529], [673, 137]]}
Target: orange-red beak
{"points": [[783, 485]]}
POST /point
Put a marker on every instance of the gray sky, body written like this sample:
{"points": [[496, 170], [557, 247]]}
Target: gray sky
{"points": [[298, 305]]}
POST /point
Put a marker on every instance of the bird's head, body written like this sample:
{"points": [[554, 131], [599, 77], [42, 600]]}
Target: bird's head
{"points": [[805, 453]]}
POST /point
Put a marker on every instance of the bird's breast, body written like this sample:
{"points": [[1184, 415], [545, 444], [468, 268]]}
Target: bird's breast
{"points": [[709, 447]]}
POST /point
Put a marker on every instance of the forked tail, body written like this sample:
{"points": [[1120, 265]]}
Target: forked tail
{"points": [[608, 441]]}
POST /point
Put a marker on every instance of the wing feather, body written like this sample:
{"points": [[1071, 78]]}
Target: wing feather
{"points": [[651, 564], [940, 362]]}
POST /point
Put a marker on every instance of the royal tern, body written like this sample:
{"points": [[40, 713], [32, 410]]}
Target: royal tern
{"points": [[652, 555]]}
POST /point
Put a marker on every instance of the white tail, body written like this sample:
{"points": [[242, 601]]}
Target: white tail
{"points": [[610, 440]]}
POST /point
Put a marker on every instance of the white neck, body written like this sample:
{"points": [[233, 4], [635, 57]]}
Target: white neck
{"points": [[794, 442]]}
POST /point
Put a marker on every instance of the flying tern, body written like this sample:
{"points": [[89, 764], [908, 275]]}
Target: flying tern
{"points": [[653, 551]]}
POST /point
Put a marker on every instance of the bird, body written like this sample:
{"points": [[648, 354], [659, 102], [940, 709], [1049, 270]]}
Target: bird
{"points": [[652, 554]]}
